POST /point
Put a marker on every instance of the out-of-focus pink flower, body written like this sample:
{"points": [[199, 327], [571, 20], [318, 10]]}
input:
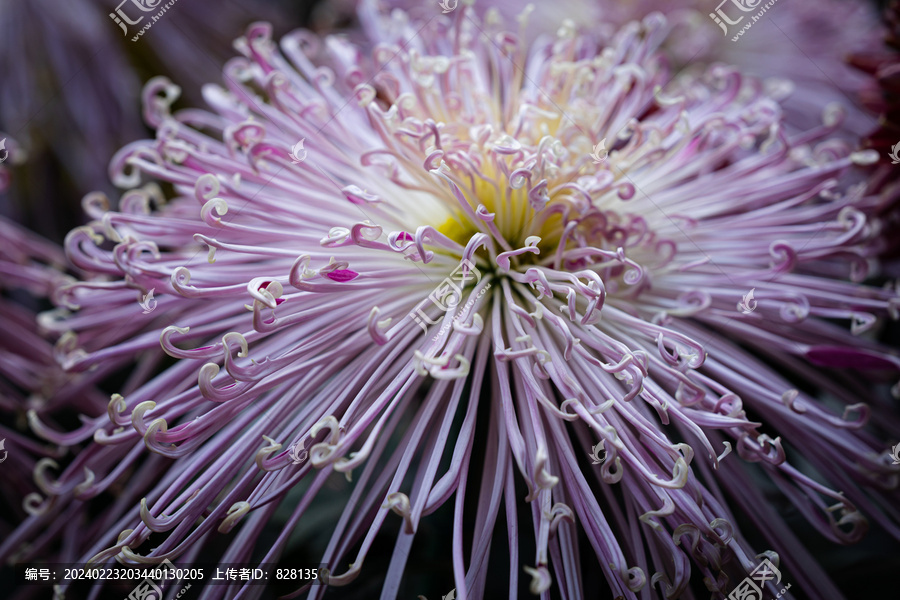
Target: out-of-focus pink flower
{"points": [[71, 84], [882, 97]]}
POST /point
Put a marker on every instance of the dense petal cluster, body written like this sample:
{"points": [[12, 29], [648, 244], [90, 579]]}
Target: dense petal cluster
{"points": [[480, 264], [800, 47]]}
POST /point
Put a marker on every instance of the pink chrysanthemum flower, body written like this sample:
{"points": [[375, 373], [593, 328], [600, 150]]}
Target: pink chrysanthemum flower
{"points": [[575, 244]]}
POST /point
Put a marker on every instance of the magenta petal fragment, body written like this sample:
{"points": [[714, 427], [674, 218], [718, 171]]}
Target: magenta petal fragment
{"points": [[342, 275], [855, 358]]}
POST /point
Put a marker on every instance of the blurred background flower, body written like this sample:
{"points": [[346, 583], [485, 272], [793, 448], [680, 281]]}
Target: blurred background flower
{"points": [[72, 81], [881, 96]]}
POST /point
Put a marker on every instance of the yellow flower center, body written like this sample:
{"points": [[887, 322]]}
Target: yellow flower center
{"points": [[514, 218]]}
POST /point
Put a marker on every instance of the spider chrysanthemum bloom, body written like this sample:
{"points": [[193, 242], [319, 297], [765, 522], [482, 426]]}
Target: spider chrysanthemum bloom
{"points": [[475, 249]]}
